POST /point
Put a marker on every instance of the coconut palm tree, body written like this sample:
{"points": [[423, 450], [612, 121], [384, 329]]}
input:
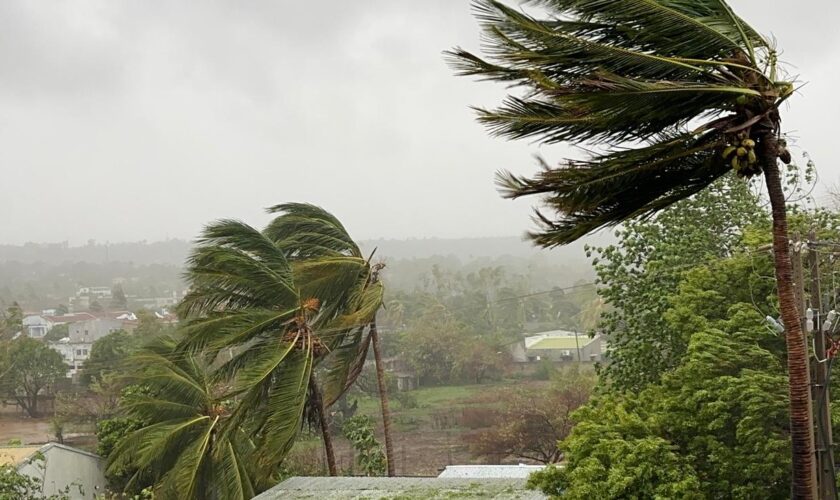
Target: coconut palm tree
{"points": [[270, 307], [185, 448], [669, 95], [249, 311], [306, 232]]}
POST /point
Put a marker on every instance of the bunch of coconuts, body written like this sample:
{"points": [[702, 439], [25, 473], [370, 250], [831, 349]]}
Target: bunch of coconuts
{"points": [[741, 154]]}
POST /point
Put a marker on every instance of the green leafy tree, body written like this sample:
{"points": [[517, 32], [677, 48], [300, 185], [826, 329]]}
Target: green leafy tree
{"points": [[672, 95], [148, 326], [716, 427], [369, 456], [431, 347], [58, 332], [17, 486], [639, 273], [11, 321], [183, 448], [532, 420], [118, 298], [108, 354], [28, 370]]}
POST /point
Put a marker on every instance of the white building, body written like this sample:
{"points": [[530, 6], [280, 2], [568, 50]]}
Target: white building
{"points": [[74, 353], [36, 326]]}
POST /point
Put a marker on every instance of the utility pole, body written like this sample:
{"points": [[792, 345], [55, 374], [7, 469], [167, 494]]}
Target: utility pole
{"points": [[799, 289], [824, 440], [577, 345]]}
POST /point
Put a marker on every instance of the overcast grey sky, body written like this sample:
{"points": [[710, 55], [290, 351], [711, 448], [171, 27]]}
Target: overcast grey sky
{"points": [[130, 120]]}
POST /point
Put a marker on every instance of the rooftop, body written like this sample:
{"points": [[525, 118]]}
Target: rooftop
{"points": [[405, 488], [558, 342], [13, 455], [521, 471]]}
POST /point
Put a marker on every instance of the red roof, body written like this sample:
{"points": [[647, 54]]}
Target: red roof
{"points": [[71, 318]]}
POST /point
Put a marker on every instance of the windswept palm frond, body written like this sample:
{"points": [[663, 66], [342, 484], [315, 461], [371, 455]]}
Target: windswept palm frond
{"points": [[184, 412], [635, 73], [307, 231], [626, 183]]}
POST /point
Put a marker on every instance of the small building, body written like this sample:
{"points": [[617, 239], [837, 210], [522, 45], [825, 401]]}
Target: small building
{"points": [[407, 379], [58, 467], [431, 488], [559, 346], [36, 326], [94, 329], [74, 353]]}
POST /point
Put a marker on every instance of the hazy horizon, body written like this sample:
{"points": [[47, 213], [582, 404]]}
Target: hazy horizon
{"points": [[144, 121]]}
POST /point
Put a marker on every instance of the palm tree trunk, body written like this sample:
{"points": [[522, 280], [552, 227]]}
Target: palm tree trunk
{"points": [[802, 437], [383, 399], [318, 401]]}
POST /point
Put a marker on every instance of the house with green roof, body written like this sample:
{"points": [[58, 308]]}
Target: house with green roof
{"points": [[559, 346]]}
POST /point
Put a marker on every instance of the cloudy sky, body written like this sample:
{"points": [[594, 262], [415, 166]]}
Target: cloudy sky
{"points": [[127, 120]]}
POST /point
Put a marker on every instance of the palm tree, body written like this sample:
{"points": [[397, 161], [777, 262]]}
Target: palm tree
{"points": [[307, 232], [185, 448], [257, 315], [670, 95], [270, 306]]}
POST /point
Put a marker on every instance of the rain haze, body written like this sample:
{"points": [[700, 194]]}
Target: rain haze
{"points": [[127, 121]]}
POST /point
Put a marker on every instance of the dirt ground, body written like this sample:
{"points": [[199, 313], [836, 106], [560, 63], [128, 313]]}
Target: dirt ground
{"points": [[27, 430]]}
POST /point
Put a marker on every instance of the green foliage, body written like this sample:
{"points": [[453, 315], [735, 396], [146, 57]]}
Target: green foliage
{"points": [[107, 355], [281, 299], [530, 421], [17, 486], [441, 351], [28, 368], [11, 321], [638, 275], [369, 455], [57, 333], [181, 446], [148, 326], [118, 298], [715, 427]]}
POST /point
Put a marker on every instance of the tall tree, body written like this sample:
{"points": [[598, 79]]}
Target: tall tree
{"points": [[671, 95], [11, 321], [28, 368], [309, 233], [269, 321], [638, 274]]}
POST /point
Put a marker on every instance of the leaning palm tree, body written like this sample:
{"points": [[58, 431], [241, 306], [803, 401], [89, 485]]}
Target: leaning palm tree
{"points": [[669, 95], [185, 448], [268, 321], [307, 232]]}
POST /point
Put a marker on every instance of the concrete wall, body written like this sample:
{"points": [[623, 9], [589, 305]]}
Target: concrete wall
{"points": [[64, 466], [90, 331]]}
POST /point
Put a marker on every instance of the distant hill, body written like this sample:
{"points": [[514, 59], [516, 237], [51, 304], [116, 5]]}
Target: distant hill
{"points": [[476, 248], [42, 275], [173, 252]]}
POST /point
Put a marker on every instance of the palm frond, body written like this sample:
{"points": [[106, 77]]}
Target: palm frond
{"points": [[699, 29], [345, 365], [236, 266], [610, 188], [607, 107], [306, 231]]}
